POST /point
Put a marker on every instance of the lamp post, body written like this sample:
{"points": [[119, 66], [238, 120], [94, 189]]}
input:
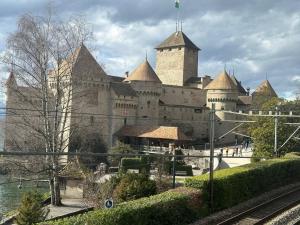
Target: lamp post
{"points": [[275, 131], [211, 157]]}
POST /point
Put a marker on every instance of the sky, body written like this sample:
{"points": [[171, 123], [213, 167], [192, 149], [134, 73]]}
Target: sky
{"points": [[255, 38]]}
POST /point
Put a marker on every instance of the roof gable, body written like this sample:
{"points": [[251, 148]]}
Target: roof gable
{"points": [[177, 39]]}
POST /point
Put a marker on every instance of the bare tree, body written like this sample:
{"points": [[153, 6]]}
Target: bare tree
{"points": [[43, 52]]}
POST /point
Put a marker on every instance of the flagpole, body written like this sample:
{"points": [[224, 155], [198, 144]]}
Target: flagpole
{"points": [[177, 14]]}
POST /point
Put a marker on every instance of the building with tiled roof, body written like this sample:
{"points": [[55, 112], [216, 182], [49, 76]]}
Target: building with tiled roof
{"points": [[170, 102]]}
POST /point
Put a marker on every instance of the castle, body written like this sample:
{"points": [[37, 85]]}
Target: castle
{"points": [[170, 103]]}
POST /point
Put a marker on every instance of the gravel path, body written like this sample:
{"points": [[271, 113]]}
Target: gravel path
{"points": [[224, 214], [290, 217]]}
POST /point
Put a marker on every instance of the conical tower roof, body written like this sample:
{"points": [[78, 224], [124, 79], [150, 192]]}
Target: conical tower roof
{"points": [[222, 82], [80, 63], [86, 64], [11, 80], [266, 89], [238, 85], [177, 39], [144, 72]]}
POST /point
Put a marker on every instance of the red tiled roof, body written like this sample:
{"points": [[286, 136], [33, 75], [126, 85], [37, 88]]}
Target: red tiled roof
{"points": [[155, 132]]}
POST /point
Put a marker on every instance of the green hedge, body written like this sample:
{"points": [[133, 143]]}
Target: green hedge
{"points": [[140, 164], [169, 208], [179, 166], [292, 155], [235, 185]]}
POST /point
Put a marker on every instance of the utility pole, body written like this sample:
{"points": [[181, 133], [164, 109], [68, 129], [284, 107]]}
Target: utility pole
{"points": [[211, 158], [275, 131]]}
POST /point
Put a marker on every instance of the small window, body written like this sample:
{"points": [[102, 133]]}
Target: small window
{"points": [[165, 117], [179, 48], [170, 49], [198, 110], [161, 50], [125, 121], [222, 108]]}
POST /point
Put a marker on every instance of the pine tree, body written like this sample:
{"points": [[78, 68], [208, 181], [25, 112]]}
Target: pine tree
{"points": [[31, 210]]}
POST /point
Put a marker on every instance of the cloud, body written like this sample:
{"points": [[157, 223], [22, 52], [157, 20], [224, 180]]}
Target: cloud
{"points": [[254, 37]]}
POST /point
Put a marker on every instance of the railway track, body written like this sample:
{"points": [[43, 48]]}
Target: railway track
{"points": [[265, 211]]}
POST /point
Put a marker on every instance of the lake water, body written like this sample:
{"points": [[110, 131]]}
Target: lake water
{"points": [[10, 194]]}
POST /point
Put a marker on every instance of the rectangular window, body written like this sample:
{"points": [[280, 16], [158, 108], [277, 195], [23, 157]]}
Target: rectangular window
{"points": [[198, 110]]}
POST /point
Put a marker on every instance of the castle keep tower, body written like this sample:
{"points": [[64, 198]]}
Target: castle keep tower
{"points": [[176, 59]]}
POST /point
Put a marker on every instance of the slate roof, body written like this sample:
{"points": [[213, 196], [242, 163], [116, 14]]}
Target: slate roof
{"points": [[266, 89], [177, 39], [116, 78], [221, 82], [245, 100], [194, 80], [123, 89], [155, 132], [144, 72], [239, 85]]}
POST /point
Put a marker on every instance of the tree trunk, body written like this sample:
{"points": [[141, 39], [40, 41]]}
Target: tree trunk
{"points": [[57, 200], [51, 190]]}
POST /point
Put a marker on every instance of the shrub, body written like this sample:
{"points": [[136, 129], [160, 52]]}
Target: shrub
{"points": [[134, 186], [292, 155], [180, 166], [177, 207], [31, 209], [140, 164], [235, 185]]}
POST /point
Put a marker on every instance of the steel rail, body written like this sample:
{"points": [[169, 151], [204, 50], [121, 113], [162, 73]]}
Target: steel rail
{"points": [[243, 215]]}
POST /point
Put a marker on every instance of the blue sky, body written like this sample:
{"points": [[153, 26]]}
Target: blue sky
{"points": [[256, 37]]}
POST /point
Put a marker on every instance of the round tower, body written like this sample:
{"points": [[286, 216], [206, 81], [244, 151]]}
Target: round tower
{"points": [[148, 88], [224, 93]]}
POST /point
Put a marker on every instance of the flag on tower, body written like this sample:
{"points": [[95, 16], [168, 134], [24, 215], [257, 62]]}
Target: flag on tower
{"points": [[177, 4]]}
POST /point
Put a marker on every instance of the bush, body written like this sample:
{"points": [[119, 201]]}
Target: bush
{"points": [[292, 155], [134, 186], [31, 209], [180, 166], [140, 164], [235, 185], [177, 207]]}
